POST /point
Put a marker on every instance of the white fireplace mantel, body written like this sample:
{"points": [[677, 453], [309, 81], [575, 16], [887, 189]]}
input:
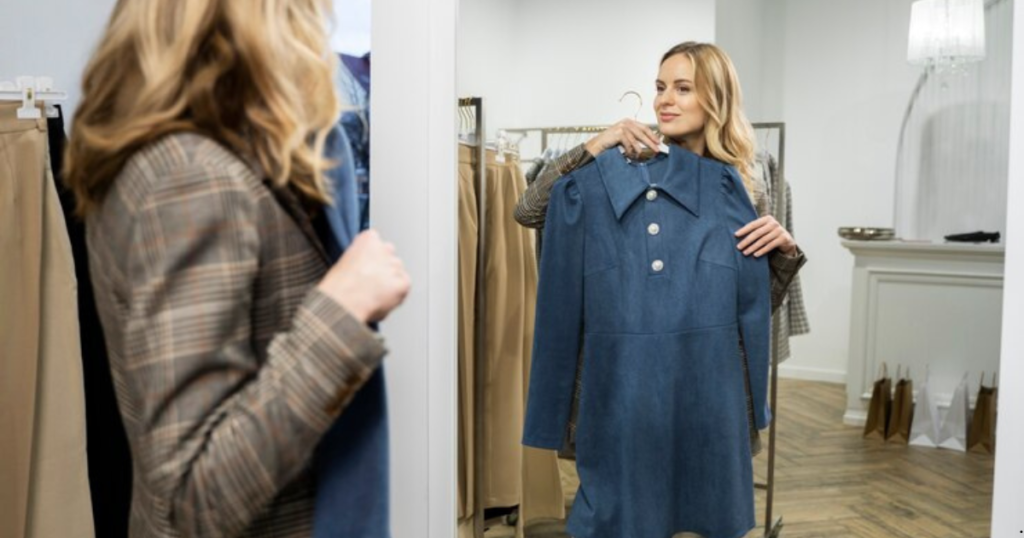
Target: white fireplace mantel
{"points": [[923, 305]]}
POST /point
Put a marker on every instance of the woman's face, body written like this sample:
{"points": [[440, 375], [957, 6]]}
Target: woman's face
{"points": [[680, 116]]}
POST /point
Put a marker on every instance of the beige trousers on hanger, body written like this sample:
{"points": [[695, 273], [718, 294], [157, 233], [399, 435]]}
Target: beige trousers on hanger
{"points": [[513, 474], [467, 353], [44, 483]]}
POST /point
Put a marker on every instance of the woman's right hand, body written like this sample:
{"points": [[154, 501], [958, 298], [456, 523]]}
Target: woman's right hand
{"points": [[629, 134], [369, 280]]}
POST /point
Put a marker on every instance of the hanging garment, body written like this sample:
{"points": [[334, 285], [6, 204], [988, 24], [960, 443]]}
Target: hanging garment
{"points": [[230, 365], [791, 319], [110, 461], [531, 212], [468, 230], [353, 82], [343, 215], [352, 458], [513, 475], [640, 258], [44, 482]]}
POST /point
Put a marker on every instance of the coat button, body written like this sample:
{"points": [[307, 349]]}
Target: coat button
{"points": [[653, 229], [652, 195], [658, 265]]}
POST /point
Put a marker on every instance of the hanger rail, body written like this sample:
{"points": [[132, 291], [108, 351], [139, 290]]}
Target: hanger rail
{"points": [[30, 91]]}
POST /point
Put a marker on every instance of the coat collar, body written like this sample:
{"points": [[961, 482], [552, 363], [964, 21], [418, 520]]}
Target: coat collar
{"points": [[679, 179]]}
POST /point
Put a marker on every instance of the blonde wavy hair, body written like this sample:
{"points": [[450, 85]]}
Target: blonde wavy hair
{"points": [[729, 137], [255, 75]]}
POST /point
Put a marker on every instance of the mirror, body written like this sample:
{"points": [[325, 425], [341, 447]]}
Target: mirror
{"points": [[625, 370]]}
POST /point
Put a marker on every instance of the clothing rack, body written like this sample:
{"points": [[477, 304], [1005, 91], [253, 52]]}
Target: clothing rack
{"points": [[29, 91], [475, 105], [773, 528], [545, 132]]}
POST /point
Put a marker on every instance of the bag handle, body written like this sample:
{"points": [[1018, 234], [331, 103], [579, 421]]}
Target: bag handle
{"points": [[884, 370]]}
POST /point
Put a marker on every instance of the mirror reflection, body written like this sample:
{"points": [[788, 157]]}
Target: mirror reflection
{"points": [[732, 271]]}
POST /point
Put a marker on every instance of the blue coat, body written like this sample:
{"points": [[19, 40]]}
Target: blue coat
{"points": [[351, 460], [640, 267]]}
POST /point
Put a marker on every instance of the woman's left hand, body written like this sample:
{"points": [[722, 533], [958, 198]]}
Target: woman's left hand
{"points": [[764, 235]]}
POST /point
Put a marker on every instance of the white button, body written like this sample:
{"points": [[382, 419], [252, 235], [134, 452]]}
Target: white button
{"points": [[652, 195], [653, 229], [658, 265]]}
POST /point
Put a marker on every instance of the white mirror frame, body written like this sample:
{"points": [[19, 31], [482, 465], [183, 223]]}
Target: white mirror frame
{"points": [[1007, 516], [414, 206]]}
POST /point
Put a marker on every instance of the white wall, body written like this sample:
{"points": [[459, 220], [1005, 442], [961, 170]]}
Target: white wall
{"points": [[351, 29], [1007, 518], [836, 73], [543, 63], [740, 28], [53, 38]]}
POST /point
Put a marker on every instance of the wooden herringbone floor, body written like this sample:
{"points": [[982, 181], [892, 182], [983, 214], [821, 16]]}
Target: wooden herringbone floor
{"points": [[832, 483]]}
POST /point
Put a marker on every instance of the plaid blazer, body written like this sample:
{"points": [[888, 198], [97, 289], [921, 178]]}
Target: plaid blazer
{"points": [[229, 365]]}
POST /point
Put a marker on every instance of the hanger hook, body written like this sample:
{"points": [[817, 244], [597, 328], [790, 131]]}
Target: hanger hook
{"points": [[640, 103]]}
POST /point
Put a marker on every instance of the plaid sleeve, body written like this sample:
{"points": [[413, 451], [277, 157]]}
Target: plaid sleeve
{"points": [[533, 206], [783, 269], [222, 431]]}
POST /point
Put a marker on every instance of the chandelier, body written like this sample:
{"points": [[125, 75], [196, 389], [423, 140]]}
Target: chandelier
{"points": [[945, 35]]}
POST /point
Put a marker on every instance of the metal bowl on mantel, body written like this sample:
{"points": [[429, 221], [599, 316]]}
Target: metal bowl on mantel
{"points": [[858, 233]]}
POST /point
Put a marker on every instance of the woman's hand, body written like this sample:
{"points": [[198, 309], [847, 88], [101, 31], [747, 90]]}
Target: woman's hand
{"points": [[630, 134], [764, 235], [369, 281]]}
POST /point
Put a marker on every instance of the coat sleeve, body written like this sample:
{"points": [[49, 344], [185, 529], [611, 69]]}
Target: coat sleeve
{"points": [[559, 320], [220, 431], [753, 297], [533, 205]]}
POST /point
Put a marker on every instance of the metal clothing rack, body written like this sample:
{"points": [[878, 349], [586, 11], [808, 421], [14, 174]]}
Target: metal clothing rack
{"points": [[31, 92], [475, 108], [545, 132], [773, 528]]}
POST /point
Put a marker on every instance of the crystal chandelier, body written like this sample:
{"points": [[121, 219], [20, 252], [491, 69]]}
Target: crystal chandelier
{"points": [[945, 35]]}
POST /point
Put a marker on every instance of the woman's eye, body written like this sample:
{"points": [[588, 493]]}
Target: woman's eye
{"points": [[683, 89]]}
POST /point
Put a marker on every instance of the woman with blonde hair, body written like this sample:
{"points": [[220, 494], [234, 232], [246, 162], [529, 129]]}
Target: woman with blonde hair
{"points": [[196, 160], [664, 325], [699, 106]]}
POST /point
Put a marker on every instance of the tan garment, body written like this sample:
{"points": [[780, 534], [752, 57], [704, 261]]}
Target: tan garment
{"points": [[514, 475], [44, 483], [467, 300]]}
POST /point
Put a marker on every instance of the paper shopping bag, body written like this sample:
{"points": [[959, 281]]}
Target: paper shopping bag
{"points": [[902, 410], [879, 407], [953, 433], [982, 435], [925, 425]]}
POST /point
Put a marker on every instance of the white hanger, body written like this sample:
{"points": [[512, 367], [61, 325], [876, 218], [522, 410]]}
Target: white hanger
{"points": [[28, 90]]}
